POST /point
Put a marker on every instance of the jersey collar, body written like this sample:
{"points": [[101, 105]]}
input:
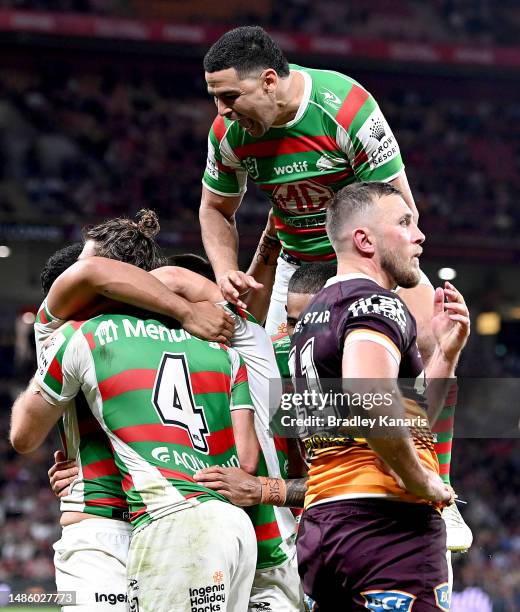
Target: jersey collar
{"points": [[345, 277], [303, 104]]}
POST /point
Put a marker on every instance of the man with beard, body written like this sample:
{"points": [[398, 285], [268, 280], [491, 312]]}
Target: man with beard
{"points": [[372, 533]]}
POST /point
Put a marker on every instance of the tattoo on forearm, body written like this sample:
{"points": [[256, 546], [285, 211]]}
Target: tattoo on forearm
{"points": [[268, 251], [296, 489]]}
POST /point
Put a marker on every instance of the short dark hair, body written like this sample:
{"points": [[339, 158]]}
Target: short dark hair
{"points": [[352, 199], [311, 278], [57, 264], [130, 241], [193, 262], [246, 49]]}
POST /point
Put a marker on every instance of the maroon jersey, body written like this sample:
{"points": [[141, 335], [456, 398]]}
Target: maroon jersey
{"points": [[346, 304], [349, 308]]}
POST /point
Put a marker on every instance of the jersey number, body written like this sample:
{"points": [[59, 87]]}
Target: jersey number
{"points": [[173, 399], [308, 367]]}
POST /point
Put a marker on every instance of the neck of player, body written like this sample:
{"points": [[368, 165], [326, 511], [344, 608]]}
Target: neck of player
{"points": [[290, 94], [369, 268]]}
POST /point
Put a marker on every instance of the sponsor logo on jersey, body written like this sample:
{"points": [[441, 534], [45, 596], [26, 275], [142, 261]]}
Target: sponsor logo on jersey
{"points": [[378, 140], [261, 605], [291, 168], [111, 598], [210, 598], [442, 596], [133, 595], [251, 166], [302, 197], [379, 601], [327, 162], [377, 128], [48, 351], [161, 453], [212, 169], [106, 332], [330, 98], [384, 305], [315, 317]]}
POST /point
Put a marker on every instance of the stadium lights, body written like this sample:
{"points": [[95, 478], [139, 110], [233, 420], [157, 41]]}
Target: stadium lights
{"points": [[5, 251], [488, 323], [447, 274], [514, 312], [28, 318]]}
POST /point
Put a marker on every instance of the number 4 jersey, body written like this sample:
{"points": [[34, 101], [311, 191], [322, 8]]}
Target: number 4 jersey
{"points": [[338, 136], [162, 397]]}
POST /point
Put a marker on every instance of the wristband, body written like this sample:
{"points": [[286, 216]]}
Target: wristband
{"points": [[274, 491], [272, 238]]}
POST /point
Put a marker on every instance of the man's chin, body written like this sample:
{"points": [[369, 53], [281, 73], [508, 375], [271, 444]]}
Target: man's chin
{"points": [[410, 280]]}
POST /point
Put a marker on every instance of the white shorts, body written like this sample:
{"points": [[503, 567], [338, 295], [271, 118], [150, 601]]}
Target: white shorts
{"points": [[277, 589], [90, 559], [194, 560], [277, 313]]}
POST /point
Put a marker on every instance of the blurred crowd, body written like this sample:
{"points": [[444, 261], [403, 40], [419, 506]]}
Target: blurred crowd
{"points": [[78, 146], [453, 21]]}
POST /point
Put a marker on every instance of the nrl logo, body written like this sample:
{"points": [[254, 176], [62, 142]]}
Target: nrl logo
{"points": [[331, 98], [251, 166]]}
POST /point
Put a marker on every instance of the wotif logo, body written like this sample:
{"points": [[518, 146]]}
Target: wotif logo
{"points": [[291, 168]]}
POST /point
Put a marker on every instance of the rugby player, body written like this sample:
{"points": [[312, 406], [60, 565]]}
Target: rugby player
{"points": [[276, 585], [232, 585], [372, 504], [300, 134]]}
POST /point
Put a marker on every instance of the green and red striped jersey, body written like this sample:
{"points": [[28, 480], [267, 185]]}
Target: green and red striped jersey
{"points": [[98, 487], [282, 347], [338, 136], [163, 398]]}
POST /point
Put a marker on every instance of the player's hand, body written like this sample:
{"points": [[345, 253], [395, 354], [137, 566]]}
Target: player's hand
{"points": [[234, 283], [450, 321], [239, 487], [209, 322], [428, 485], [62, 474]]}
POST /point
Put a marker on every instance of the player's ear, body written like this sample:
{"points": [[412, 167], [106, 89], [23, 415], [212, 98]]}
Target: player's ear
{"points": [[363, 240], [270, 80]]}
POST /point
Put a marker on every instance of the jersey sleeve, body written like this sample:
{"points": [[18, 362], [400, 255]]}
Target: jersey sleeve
{"points": [[62, 362], [240, 394], [367, 139], [381, 319], [224, 174], [45, 325]]}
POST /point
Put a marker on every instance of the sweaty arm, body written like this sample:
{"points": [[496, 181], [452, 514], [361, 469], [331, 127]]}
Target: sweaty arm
{"points": [[32, 418], [76, 294], [378, 368]]}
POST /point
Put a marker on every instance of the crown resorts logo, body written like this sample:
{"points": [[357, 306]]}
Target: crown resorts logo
{"points": [[377, 129]]}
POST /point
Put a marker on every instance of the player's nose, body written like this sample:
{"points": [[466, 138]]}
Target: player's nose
{"points": [[223, 110]]}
